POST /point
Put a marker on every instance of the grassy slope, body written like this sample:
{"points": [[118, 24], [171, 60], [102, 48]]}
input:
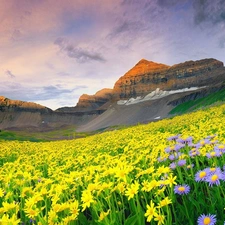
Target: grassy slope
{"points": [[199, 103], [121, 158], [69, 132], [65, 133]]}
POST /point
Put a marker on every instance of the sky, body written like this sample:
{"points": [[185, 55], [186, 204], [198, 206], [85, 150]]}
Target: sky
{"points": [[53, 51]]}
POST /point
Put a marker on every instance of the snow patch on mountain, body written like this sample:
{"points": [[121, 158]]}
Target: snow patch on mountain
{"points": [[155, 95]]}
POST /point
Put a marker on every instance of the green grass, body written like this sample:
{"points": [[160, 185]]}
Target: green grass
{"points": [[15, 135], [193, 105], [57, 134]]}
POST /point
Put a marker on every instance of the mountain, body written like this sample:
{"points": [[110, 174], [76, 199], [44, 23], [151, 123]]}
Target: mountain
{"points": [[147, 76], [16, 105], [15, 114], [90, 102], [148, 91]]}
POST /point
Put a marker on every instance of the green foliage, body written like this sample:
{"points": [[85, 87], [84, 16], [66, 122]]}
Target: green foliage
{"points": [[199, 103]]}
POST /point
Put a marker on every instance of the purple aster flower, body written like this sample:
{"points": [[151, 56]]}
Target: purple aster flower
{"points": [[207, 219], [198, 145], [182, 189], [181, 141], [220, 147], [177, 147], [212, 170], [191, 145], [201, 175], [212, 154], [214, 178], [194, 152], [204, 142], [189, 140], [173, 138], [167, 150], [173, 165], [181, 162], [171, 157]]}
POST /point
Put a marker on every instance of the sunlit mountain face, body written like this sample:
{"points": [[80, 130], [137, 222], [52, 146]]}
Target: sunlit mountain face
{"points": [[52, 52]]}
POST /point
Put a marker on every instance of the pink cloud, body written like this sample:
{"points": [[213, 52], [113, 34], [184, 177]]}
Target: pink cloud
{"points": [[28, 18]]}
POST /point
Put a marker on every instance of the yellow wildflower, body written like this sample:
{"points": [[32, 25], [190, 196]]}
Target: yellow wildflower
{"points": [[87, 199], [132, 190], [1, 192], [5, 220], [164, 202], [74, 210], [10, 206], [103, 215], [32, 212], [160, 218], [170, 180], [150, 211], [52, 217]]}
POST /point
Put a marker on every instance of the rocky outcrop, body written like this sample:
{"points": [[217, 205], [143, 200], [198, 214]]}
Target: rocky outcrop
{"points": [[15, 114], [91, 102], [16, 105], [147, 76]]}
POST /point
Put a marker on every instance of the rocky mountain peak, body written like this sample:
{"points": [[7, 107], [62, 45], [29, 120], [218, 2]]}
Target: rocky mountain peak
{"points": [[17, 105], [103, 92], [92, 102], [145, 66], [147, 76]]}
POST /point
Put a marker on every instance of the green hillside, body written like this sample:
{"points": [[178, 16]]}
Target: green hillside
{"points": [[192, 105]]}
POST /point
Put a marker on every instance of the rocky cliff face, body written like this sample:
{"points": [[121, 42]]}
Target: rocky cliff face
{"points": [[147, 76], [91, 102], [16, 105], [16, 114]]}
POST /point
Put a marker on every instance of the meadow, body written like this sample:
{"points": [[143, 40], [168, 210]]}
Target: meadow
{"points": [[166, 172]]}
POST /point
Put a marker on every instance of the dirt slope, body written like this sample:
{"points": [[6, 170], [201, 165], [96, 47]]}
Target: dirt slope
{"points": [[142, 112], [131, 114]]}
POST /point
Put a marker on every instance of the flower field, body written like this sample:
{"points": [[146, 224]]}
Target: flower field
{"points": [[167, 172]]}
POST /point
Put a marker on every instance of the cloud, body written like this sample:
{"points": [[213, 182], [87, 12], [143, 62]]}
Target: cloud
{"points": [[80, 54], [132, 22], [33, 93], [50, 65], [63, 74], [209, 11], [127, 26], [9, 74], [16, 35], [168, 3], [26, 19], [52, 92]]}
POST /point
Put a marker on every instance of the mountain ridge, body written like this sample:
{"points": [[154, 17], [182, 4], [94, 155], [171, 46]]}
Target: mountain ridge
{"points": [[144, 79], [146, 76]]}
